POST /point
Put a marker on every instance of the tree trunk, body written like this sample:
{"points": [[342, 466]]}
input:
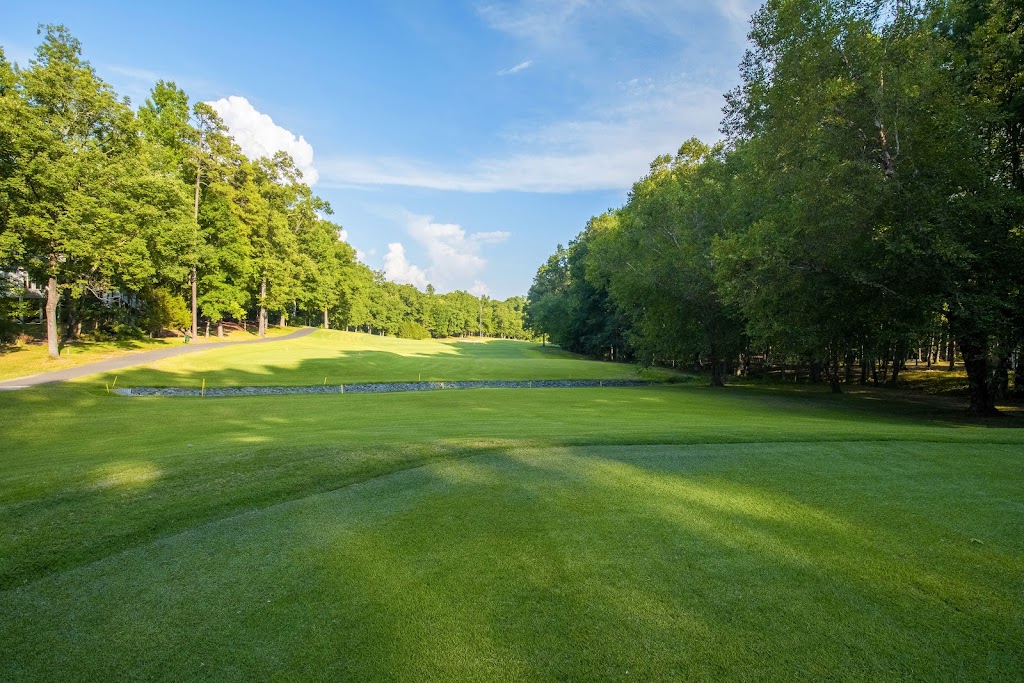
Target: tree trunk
{"points": [[833, 379], [974, 349], [262, 331], [717, 370], [207, 333], [220, 329], [1018, 373], [815, 371], [327, 320], [283, 320], [194, 275], [51, 318], [195, 309], [1001, 380]]}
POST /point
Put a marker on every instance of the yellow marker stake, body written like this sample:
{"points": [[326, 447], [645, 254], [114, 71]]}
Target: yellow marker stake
{"points": [[325, 381], [203, 390], [108, 388], [115, 382]]}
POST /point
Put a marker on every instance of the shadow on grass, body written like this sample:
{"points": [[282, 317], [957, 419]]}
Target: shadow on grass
{"points": [[469, 557], [12, 348], [458, 361], [570, 566]]}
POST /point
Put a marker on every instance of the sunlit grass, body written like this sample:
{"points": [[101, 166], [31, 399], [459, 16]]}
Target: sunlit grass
{"points": [[20, 360], [335, 357]]}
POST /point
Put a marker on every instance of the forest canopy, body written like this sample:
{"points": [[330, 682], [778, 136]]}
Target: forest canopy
{"points": [[865, 205]]}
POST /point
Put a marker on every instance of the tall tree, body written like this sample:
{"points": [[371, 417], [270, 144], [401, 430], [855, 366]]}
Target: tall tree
{"points": [[72, 137]]}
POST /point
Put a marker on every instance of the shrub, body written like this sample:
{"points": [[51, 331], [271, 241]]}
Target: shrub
{"points": [[413, 330]]}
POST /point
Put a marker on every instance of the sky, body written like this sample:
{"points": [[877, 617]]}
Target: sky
{"points": [[458, 142]]}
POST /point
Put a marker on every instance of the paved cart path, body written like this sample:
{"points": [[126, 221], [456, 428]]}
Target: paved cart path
{"points": [[133, 359]]}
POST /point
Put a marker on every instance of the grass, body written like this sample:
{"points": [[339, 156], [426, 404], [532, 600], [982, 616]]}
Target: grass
{"points": [[664, 533], [20, 360], [938, 381], [352, 357]]}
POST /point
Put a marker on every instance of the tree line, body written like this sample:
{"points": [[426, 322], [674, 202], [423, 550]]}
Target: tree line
{"points": [[864, 207], [160, 207]]}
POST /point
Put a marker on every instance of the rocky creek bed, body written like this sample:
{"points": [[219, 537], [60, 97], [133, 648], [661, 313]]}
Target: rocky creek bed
{"points": [[385, 387]]}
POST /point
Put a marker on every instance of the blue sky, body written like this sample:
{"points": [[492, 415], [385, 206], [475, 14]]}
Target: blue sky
{"points": [[458, 142]]}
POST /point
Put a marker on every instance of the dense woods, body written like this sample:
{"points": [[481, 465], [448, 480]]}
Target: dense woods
{"points": [[135, 222], [864, 208]]}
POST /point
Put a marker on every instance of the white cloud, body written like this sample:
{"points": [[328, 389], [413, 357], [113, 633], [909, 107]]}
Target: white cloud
{"points": [[258, 135], [343, 234], [516, 69], [554, 24], [453, 253], [479, 289], [540, 21], [135, 73], [398, 269], [608, 150]]}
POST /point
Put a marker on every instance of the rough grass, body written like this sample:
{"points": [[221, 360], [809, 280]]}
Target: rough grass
{"points": [[667, 533], [337, 357]]}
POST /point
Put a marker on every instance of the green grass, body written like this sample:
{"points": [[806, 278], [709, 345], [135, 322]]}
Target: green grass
{"points": [[351, 357], [20, 360], [665, 533]]}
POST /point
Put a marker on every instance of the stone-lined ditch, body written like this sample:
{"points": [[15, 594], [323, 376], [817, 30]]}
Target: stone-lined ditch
{"points": [[386, 387]]}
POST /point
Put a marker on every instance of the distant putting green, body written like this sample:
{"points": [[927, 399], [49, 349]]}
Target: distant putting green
{"points": [[666, 533], [350, 357]]}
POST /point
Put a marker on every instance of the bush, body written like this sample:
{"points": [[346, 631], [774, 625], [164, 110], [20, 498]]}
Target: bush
{"points": [[412, 330], [164, 310]]}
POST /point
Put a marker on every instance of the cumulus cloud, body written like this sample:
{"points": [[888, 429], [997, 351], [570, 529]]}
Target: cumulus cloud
{"points": [[454, 255], [258, 135], [479, 289], [516, 69], [397, 267]]}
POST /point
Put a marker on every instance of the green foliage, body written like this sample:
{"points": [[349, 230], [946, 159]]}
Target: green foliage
{"points": [[164, 310], [413, 330], [870, 194], [145, 207]]}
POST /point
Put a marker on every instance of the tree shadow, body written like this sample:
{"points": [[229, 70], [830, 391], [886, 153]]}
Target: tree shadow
{"points": [[461, 362], [6, 349], [578, 564]]}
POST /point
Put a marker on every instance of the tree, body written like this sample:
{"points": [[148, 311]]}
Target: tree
{"points": [[73, 145], [655, 258]]}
